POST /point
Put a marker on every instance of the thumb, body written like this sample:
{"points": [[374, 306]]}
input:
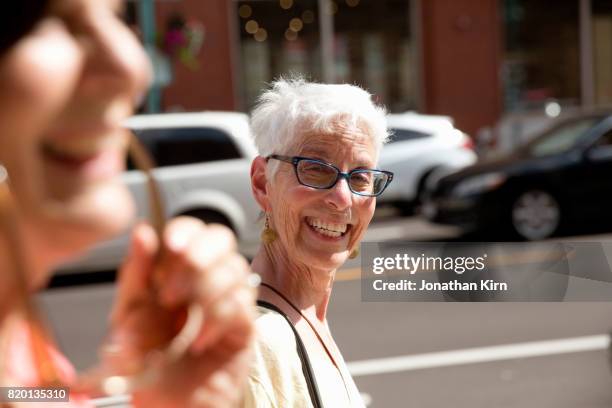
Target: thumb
{"points": [[135, 274]]}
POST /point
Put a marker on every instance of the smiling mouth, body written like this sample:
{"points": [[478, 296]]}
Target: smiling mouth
{"points": [[327, 229]]}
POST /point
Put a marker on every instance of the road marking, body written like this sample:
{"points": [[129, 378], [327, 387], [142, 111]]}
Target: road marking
{"points": [[386, 232], [479, 355], [348, 274], [409, 229]]}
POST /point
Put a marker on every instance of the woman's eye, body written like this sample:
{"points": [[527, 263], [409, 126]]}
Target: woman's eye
{"points": [[312, 168], [361, 178], [315, 168]]}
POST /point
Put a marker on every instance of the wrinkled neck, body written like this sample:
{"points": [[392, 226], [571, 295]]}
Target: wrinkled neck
{"points": [[307, 288]]}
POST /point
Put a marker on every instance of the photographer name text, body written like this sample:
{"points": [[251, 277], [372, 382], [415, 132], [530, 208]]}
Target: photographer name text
{"points": [[409, 285]]}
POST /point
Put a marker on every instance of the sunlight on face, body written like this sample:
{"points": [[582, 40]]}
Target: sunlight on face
{"points": [[319, 228]]}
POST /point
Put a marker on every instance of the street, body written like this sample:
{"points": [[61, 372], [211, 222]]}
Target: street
{"points": [[579, 379], [425, 354]]}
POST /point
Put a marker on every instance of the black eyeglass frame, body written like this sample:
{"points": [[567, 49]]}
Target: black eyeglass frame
{"points": [[295, 160]]}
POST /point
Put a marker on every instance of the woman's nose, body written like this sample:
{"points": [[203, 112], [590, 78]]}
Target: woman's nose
{"points": [[340, 196], [116, 62]]}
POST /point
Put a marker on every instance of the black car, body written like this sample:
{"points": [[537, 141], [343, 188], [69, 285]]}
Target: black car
{"points": [[563, 175]]}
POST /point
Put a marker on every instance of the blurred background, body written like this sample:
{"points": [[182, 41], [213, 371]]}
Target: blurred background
{"points": [[483, 62], [502, 130]]}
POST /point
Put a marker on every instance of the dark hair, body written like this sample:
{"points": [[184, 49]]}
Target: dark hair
{"points": [[17, 18]]}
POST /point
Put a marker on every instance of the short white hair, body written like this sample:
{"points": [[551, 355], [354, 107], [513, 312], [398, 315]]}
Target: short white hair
{"points": [[291, 107]]}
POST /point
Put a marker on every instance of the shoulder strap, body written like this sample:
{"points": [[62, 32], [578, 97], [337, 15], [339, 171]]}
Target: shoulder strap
{"points": [[313, 389]]}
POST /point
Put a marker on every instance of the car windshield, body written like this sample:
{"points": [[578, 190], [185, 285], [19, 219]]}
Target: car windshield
{"points": [[402, 135], [560, 138]]}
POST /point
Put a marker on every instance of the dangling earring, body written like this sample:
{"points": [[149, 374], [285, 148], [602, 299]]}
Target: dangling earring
{"points": [[354, 253], [268, 235]]}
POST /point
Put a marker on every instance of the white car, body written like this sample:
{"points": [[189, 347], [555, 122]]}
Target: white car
{"points": [[422, 149], [203, 164]]}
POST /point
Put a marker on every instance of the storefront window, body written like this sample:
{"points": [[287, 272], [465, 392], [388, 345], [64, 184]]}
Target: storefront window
{"points": [[602, 51], [371, 42], [541, 59], [277, 38], [373, 48]]}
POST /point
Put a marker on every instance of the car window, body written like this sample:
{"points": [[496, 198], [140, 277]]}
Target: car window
{"points": [[561, 138], [178, 146], [605, 140], [401, 135]]}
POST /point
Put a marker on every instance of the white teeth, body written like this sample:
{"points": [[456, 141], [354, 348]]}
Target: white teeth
{"points": [[328, 229], [83, 147]]}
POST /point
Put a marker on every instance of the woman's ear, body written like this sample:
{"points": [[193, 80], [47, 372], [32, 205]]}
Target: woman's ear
{"points": [[259, 182]]}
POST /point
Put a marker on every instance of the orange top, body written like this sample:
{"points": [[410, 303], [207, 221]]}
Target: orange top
{"points": [[19, 366]]}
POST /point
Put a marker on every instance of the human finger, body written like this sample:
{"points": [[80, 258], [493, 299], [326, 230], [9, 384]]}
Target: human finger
{"points": [[212, 248], [231, 317], [133, 278]]}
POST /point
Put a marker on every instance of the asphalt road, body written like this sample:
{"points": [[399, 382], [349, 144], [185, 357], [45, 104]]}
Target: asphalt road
{"points": [[367, 331], [435, 354]]}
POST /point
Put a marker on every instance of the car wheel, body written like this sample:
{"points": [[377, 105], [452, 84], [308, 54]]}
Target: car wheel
{"points": [[409, 208], [210, 217], [422, 186], [536, 214]]}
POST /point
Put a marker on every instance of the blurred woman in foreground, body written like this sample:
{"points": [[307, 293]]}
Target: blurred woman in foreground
{"points": [[317, 182], [70, 72]]}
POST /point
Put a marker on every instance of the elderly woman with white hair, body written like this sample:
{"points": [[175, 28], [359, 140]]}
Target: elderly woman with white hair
{"points": [[316, 181]]}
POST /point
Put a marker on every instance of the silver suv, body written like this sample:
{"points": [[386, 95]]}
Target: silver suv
{"points": [[203, 162]]}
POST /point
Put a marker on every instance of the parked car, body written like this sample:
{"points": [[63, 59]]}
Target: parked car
{"points": [[422, 148], [563, 175], [203, 163]]}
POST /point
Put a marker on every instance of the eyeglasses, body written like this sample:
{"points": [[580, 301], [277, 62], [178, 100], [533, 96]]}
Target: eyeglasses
{"points": [[318, 174]]}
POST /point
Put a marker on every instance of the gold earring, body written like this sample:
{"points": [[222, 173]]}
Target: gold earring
{"points": [[268, 235], [354, 253]]}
